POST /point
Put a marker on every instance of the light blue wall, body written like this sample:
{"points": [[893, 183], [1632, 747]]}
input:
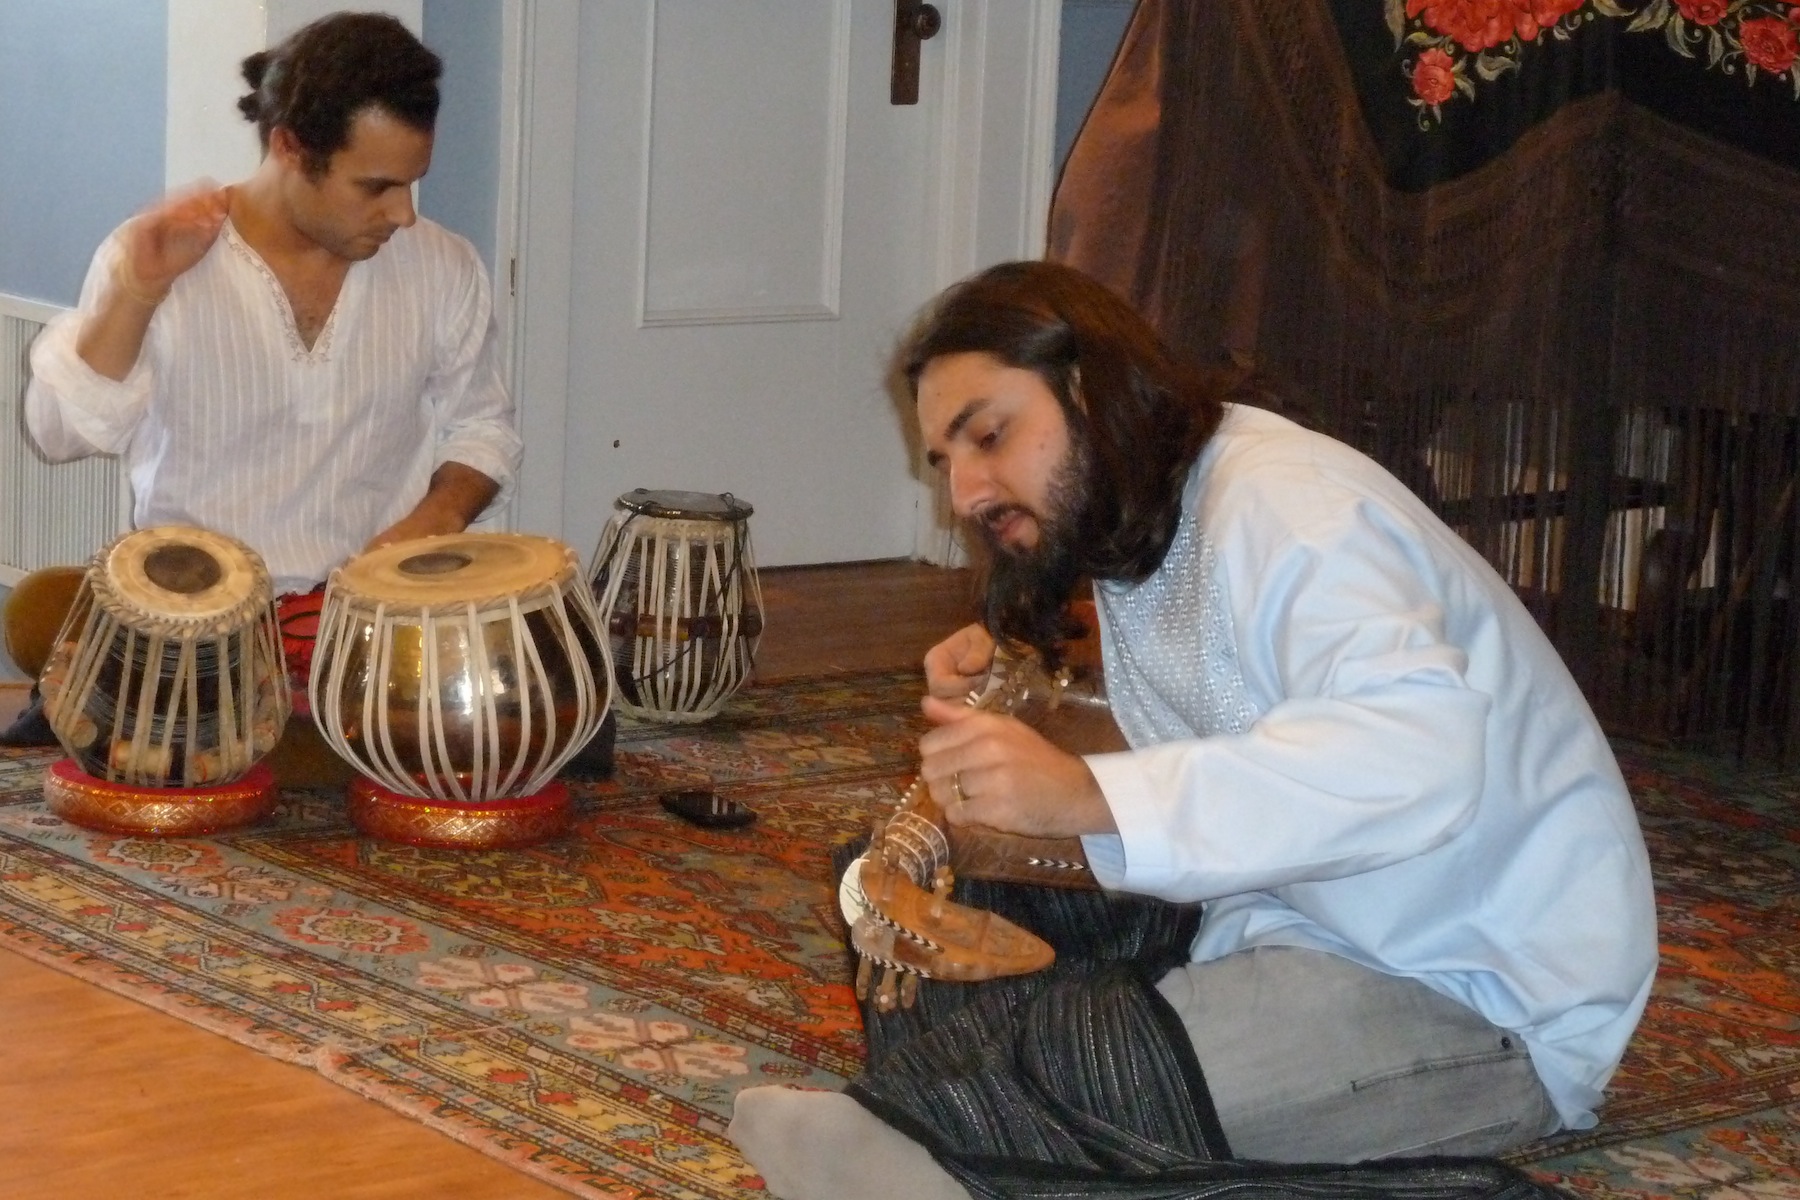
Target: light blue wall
{"points": [[82, 114], [1091, 30], [82, 102], [465, 163]]}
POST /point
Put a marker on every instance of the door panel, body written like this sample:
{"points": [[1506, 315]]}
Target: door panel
{"points": [[744, 201], [749, 242]]}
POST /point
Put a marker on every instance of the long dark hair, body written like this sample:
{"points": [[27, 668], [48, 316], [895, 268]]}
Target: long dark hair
{"points": [[320, 76], [1140, 414]]}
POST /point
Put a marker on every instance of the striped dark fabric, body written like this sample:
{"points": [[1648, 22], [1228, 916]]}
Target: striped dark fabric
{"points": [[1389, 1179], [1093, 1073], [1080, 1081]]}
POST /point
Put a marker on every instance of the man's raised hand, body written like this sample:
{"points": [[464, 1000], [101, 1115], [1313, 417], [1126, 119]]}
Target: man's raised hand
{"points": [[168, 239]]}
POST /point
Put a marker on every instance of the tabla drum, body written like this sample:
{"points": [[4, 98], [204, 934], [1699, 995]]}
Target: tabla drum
{"points": [[458, 674], [166, 686], [675, 580]]}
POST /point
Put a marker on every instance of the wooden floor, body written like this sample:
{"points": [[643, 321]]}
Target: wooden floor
{"points": [[102, 1099]]}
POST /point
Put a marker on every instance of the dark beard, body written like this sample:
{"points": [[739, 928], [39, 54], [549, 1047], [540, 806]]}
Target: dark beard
{"points": [[1028, 591]]}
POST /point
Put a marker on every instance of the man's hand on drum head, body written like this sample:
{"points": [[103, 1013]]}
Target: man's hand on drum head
{"points": [[960, 663], [421, 522], [168, 239], [457, 495]]}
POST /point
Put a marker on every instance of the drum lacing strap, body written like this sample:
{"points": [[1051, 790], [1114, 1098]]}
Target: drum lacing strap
{"points": [[740, 536]]}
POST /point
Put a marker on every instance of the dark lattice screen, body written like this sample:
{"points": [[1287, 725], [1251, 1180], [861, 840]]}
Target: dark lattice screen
{"points": [[1569, 319]]}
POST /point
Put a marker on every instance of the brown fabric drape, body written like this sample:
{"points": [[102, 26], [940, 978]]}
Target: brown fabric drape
{"points": [[1584, 353]]}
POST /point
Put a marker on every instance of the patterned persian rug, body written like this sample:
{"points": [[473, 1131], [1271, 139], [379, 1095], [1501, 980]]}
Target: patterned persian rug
{"points": [[1707, 1101], [585, 1010]]}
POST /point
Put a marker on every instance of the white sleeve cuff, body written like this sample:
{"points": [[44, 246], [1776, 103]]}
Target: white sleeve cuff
{"points": [[1143, 855], [490, 461], [73, 410], [1106, 858]]}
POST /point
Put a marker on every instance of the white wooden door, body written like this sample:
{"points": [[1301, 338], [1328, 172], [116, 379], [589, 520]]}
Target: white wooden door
{"points": [[750, 226]]}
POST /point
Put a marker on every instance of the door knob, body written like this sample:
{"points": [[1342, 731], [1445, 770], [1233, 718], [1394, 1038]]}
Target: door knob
{"points": [[914, 23]]}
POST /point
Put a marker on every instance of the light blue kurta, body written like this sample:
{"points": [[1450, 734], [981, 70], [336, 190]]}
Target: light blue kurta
{"points": [[1350, 735]]}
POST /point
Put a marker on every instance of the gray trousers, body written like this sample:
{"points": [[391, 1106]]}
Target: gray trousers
{"points": [[1313, 1058], [1309, 1058]]}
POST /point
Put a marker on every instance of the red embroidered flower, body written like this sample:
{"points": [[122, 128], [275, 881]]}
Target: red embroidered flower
{"points": [[1474, 24], [1534, 15], [1434, 80], [1770, 43], [1703, 12], [1499, 30]]}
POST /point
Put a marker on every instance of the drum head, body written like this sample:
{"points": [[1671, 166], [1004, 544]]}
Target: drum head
{"points": [[456, 568], [182, 573], [692, 506]]}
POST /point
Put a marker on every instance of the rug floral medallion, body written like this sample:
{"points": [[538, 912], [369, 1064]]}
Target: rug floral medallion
{"points": [[587, 1009]]}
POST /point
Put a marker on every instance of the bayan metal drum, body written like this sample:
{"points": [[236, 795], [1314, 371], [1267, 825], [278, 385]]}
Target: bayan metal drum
{"points": [[675, 581], [459, 673], [166, 686]]}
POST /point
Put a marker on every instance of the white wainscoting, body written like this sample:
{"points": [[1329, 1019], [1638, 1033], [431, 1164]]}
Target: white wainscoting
{"points": [[49, 513]]}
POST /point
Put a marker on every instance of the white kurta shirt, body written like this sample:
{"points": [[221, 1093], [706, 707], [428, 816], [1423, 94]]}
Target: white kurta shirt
{"points": [[229, 422], [1350, 735]]}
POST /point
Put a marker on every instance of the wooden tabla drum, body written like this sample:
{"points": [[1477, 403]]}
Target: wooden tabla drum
{"points": [[458, 674], [166, 687], [675, 581]]}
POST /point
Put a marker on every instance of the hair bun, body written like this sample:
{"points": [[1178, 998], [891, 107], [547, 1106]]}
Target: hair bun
{"points": [[255, 67]]}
